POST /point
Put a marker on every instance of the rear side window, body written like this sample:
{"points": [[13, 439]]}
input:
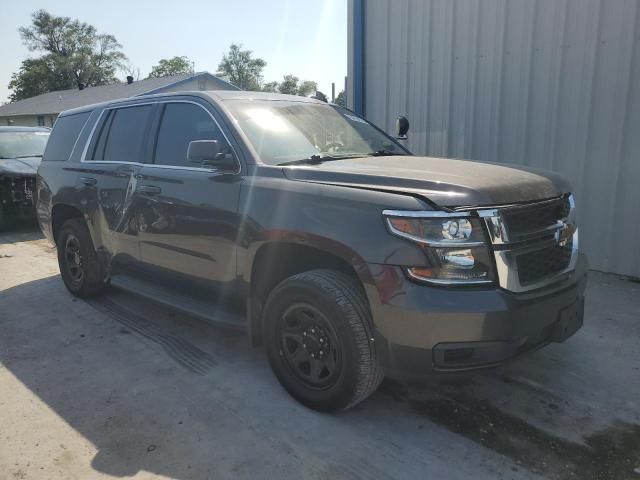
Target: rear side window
{"points": [[64, 135], [123, 135], [182, 123]]}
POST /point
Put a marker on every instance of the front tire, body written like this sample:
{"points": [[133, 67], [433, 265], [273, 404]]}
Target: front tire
{"points": [[80, 268], [319, 340]]}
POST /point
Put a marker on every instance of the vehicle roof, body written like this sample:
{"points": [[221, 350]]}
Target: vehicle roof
{"points": [[216, 95], [24, 129], [243, 95]]}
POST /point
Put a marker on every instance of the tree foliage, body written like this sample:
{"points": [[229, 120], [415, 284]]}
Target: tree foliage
{"points": [[271, 87], [291, 85], [241, 68], [72, 53], [171, 66], [341, 100]]}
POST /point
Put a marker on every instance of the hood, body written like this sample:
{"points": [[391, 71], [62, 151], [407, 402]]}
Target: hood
{"points": [[445, 182], [19, 166]]}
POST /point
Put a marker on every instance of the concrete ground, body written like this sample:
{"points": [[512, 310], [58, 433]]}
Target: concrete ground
{"points": [[122, 387]]}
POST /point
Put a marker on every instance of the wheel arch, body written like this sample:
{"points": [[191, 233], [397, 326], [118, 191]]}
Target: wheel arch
{"points": [[273, 261], [60, 213]]}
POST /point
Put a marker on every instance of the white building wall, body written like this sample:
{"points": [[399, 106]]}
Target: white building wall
{"points": [[553, 84], [28, 120]]}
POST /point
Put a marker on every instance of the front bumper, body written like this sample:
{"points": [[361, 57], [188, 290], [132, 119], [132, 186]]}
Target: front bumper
{"points": [[423, 330], [17, 196]]}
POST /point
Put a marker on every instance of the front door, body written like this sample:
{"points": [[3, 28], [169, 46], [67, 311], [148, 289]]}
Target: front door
{"points": [[187, 215]]}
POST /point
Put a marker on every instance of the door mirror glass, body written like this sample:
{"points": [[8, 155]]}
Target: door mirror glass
{"points": [[402, 127], [208, 154], [201, 151]]}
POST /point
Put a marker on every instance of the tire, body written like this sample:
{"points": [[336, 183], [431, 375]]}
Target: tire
{"points": [[322, 314], [75, 247]]}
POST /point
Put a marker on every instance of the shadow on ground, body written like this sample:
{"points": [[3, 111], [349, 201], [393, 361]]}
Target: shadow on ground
{"points": [[154, 390], [22, 232]]}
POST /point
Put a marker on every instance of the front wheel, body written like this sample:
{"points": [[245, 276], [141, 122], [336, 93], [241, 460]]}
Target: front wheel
{"points": [[319, 340], [80, 267]]}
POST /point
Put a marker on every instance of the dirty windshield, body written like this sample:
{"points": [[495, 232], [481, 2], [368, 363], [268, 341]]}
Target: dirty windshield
{"points": [[282, 132], [22, 144]]}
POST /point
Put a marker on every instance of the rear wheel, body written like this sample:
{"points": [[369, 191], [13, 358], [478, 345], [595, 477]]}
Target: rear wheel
{"points": [[80, 268], [319, 340]]}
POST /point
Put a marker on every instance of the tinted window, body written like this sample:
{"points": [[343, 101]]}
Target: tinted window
{"points": [[182, 123], [64, 135], [122, 136]]}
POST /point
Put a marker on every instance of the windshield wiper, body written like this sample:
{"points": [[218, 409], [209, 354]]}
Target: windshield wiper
{"points": [[317, 159], [28, 156], [384, 153]]}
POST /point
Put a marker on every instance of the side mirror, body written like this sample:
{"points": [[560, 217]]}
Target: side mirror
{"points": [[207, 153], [402, 127]]}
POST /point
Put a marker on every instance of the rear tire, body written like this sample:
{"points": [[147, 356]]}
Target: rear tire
{"points": [[319, 339], [80, 268]]}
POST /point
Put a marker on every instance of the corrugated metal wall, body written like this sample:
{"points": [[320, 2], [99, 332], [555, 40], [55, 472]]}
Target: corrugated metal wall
{"points": [[553, 84]]}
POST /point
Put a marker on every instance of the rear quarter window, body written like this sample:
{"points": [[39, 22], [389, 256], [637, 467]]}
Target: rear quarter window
{"points": [[64, 135]]}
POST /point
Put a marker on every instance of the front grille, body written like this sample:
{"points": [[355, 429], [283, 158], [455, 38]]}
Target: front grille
{"points": [[539, 264], [534, 244], [531, 218]]}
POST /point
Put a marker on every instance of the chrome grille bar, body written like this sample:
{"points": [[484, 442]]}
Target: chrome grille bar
{"points": [[507, 246]]}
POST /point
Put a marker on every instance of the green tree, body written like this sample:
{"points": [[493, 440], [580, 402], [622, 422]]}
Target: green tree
{"points": [[271, 87], [307, 87], [341, 100], [171, 66], [291, 85], [72, 53], [241, 68]]}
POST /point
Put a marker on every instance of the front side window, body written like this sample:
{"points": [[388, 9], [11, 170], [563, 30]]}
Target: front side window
{"points": [[182, 123], [288, 131], [122, 137]]}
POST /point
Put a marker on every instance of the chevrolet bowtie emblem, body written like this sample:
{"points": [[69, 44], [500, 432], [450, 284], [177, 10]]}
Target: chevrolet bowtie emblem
{"points": [[564, 233]]}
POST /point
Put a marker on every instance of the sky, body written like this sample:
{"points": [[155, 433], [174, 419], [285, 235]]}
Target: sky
{"points": [[307, 38]]}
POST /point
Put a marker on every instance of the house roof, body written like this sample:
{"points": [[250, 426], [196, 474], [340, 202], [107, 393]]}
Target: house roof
{"points": [[56, 102]]}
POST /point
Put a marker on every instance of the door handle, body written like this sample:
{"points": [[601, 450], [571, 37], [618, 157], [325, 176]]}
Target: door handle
{"points": [[149, 189], [88, 181]]}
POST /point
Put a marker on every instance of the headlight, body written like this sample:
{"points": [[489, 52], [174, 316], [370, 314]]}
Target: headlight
{"points": [[455, 247]]}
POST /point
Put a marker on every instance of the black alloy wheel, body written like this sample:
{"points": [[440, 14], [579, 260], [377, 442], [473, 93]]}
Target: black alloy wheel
{"points": [[310, 346], [318, 335], [83, 273], [73, 258]]}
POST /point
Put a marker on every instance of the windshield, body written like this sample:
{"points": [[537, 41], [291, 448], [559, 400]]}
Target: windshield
{"points": [[287, 131], [22, 144]]}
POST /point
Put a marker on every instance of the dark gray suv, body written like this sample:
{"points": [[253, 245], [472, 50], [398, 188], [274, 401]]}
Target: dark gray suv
{"points": [[314, 231]]}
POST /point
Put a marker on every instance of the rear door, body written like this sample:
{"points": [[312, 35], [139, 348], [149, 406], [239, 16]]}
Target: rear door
{"points": [[107, 178], [187, 216]]}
